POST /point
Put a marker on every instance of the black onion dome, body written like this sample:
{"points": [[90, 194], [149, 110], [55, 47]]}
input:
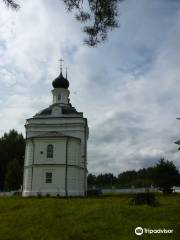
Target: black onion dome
{"points": [[60, 82]]}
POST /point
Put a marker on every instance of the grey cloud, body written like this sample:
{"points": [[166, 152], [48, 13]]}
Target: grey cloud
{"points": [[128, 87]]}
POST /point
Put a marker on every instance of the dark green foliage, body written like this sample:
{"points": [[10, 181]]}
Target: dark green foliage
{"points": [[108, 179], [140, 178], [14, 175], [100, 16], [144, 198], [12, 148], [178, 143], [94, 192], [91, 179], [12, 4], [127, 177], [102, 180], [166, 176]]}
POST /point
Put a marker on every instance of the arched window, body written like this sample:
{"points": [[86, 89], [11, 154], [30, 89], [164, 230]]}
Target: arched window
{"points": [[50, 151]]}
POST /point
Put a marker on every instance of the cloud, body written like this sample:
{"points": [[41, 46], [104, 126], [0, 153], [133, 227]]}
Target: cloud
{"points": [[127, 88]]}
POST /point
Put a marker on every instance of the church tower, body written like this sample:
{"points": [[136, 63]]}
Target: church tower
{"points": [[56, 147]]}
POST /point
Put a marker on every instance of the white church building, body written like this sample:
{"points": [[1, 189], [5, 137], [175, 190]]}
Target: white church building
{"points": [[56, 148]]}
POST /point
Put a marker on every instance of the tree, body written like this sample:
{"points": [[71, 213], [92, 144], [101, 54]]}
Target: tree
{"points": [[105, 180], [11, 3], [98, 16], [91, 180], [178, 143], [127, 178], [12, 146], [166, 175], [163, 175], [14, 175]]}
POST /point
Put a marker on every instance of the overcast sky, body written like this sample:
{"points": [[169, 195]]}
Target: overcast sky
{"points": [[128, 88]]}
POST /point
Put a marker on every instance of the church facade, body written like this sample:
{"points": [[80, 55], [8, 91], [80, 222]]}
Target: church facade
{"points": [[56, 148]]}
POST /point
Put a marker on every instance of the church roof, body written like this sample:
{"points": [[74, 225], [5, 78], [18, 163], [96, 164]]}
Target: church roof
{"points": [[46, 111], [68, 109]]}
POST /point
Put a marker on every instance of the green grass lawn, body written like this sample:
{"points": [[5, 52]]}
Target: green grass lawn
{"points": [[103, 218]]}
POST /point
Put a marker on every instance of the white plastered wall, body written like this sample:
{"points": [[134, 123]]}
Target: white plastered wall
{"points": [[37, 164]]}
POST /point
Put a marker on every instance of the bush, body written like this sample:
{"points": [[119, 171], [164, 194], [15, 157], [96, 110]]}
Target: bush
{"points": [[166, 191], [58, 195], [144, 198], [94, 192], [39, 195]]}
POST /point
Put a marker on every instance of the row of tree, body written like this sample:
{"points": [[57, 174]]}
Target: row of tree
{"points": [[163, 175]]}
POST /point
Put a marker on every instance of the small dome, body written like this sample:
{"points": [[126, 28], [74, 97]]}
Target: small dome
{"points": [[60, 82]]}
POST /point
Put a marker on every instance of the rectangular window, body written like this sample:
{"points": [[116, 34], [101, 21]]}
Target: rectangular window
{"points": [[48, 177]]}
